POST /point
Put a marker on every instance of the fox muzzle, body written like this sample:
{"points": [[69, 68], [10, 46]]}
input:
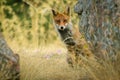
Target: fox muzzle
{"points": [[61, 27]]}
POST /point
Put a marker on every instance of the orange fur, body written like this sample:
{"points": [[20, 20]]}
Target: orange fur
{"points": [[61, 19]]}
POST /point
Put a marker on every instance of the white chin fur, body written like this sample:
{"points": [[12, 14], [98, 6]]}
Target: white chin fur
{"points": [[59, 27]]}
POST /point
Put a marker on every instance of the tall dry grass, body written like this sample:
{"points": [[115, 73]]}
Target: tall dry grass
{"points": [[49, 63]]}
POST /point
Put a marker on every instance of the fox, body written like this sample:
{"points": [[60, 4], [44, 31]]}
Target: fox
{"points": [[63, 26], [72, 38]]}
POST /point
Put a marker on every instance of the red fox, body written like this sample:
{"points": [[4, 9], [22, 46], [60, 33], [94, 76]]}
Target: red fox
{"points": [[63, 26], [74, 43]]}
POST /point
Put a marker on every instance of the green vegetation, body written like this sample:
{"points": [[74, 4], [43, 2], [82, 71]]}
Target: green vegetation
{"points": [[29, 22], [28, 28]]}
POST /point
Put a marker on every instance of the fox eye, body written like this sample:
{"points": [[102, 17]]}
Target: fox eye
{"points": [[65, 20], [58, 21]]}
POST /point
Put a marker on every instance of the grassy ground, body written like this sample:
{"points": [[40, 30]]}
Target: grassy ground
{"points": [[46, 63]]}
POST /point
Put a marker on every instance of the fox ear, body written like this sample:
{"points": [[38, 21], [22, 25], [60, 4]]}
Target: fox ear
{"points": [[67, 11], [54, 12]]}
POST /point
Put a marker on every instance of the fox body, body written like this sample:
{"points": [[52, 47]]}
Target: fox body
{"points": [[75, 45]]}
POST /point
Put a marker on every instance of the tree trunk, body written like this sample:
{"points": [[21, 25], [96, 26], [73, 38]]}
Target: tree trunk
{"points": [[9, 62], [100, 24]]}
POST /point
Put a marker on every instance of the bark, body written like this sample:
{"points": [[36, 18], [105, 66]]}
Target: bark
{"points": [[9, 62], [99, 22]]}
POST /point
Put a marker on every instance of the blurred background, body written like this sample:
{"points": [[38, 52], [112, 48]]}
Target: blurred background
{"points": [[27, 26], [29, 22]]}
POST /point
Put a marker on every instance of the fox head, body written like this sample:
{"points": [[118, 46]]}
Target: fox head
{"points": [[61, 19]]}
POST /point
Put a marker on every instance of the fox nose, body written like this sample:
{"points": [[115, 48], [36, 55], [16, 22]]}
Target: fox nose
{"points": [[62, 27]]}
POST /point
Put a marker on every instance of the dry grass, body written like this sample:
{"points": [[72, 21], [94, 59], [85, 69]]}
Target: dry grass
{"points": [[49, 63], [46, 64]]}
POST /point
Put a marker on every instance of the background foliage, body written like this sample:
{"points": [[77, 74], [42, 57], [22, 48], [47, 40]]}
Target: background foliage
{"points": [[30, 21]]}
